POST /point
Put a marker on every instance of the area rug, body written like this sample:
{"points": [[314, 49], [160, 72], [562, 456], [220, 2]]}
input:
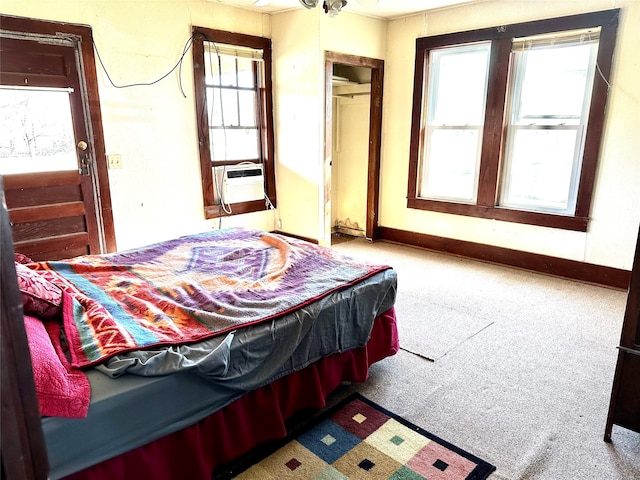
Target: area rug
{"points": [[358, 439]]}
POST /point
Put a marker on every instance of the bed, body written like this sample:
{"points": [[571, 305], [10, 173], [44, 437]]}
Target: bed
{"points": [[170, 360]]}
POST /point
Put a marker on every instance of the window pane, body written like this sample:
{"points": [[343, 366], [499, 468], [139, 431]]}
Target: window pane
{"points": [[553, 85], [229, 99], [36, 131], [247, 107], [245, 73], [222, 73], [234, 144], [541, 170], [457, 85], [452, 165]]}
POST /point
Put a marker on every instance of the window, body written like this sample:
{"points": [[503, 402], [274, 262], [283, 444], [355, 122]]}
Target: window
{"points": [[37, 128], [455, 113], [235, 127], [507, 121]]}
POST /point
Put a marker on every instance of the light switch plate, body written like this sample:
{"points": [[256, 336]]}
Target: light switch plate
{"points": [[114, 161]]}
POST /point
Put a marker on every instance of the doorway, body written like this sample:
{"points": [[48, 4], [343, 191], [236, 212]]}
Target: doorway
{"points": [[52, 154], [353, 113]]}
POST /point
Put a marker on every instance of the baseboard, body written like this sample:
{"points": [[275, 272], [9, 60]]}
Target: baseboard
{"points": [[299, 237], [560, 267]]}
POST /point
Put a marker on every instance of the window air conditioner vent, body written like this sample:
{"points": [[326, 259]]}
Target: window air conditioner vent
{"points": [[240, 183]]}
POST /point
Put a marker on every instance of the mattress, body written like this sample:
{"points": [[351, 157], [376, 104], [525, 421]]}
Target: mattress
{"points": [[129, 410]]}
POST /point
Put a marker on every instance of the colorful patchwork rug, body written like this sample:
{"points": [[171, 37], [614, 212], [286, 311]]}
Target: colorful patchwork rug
{"points": [[358, 439]]}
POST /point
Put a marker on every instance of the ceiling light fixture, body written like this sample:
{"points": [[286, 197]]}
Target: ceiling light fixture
{"points": [[309, 3], [262, 3], [331, 7]]}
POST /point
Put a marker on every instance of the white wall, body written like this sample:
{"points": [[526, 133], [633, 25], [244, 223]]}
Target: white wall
{"points": [[612, 233], [157, 193]]}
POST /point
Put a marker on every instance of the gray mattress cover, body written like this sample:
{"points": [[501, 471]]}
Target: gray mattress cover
{"points": [[132, 410]]}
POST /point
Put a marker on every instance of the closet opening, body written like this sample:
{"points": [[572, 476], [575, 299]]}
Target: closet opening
{"points": [[353, 133]]}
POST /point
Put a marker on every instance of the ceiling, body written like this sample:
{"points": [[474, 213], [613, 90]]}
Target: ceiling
{"points": [[385, 8]]}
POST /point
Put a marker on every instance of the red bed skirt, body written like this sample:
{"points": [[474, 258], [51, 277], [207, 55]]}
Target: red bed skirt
{"points": [[258, 416]]}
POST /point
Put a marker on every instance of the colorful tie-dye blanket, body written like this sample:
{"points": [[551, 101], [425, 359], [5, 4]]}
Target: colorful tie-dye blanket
{"points": [[191, 288]]}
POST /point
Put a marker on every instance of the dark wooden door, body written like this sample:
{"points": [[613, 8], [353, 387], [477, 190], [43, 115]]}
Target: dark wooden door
{"points": [[624, 406], [47, 154]]}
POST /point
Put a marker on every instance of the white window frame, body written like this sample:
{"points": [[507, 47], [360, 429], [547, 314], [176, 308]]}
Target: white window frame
{"points": [[430, 126], [552, 123]]}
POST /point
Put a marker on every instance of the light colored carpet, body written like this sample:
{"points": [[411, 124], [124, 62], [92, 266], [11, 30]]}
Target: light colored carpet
{"points": [[427, 303], [523, 364]]}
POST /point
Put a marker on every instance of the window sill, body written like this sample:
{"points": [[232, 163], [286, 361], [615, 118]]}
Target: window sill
{"points": [[578, 224], [216, 211]]}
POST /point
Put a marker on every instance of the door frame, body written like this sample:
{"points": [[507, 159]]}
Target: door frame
{"points": [[82, 37], [375, 136]]}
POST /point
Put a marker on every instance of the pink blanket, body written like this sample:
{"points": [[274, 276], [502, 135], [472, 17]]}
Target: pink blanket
{"points": [[61, 390]]}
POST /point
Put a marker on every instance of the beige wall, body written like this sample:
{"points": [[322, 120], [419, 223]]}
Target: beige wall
{"points": [[300, 39], [156, 194], [358, 36], [613, 229], [298, 88]]}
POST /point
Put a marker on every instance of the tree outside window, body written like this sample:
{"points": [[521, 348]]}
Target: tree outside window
{"points": [[37, 130]]}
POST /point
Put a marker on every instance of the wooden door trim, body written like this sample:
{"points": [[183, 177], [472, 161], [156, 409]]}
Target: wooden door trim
{"points": [[375, 127], [20, 27]]}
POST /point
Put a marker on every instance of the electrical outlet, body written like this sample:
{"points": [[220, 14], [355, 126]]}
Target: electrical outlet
{"points": [[114, 161]]}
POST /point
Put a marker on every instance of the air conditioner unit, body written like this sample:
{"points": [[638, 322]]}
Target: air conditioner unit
{"points": [[240, 183]]}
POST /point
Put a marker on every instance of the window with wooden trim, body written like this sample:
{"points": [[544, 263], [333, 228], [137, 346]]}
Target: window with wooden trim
{"points": [[507, 121], [232, 76]]}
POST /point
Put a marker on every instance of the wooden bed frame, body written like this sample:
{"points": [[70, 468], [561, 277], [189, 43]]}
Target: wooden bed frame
{"points": [[22, 444]]}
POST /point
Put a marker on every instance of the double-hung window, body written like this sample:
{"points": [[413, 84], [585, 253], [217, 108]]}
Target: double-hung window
{"points": [[455, 116], [507, 121], [546, 120], [235, 127]]}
